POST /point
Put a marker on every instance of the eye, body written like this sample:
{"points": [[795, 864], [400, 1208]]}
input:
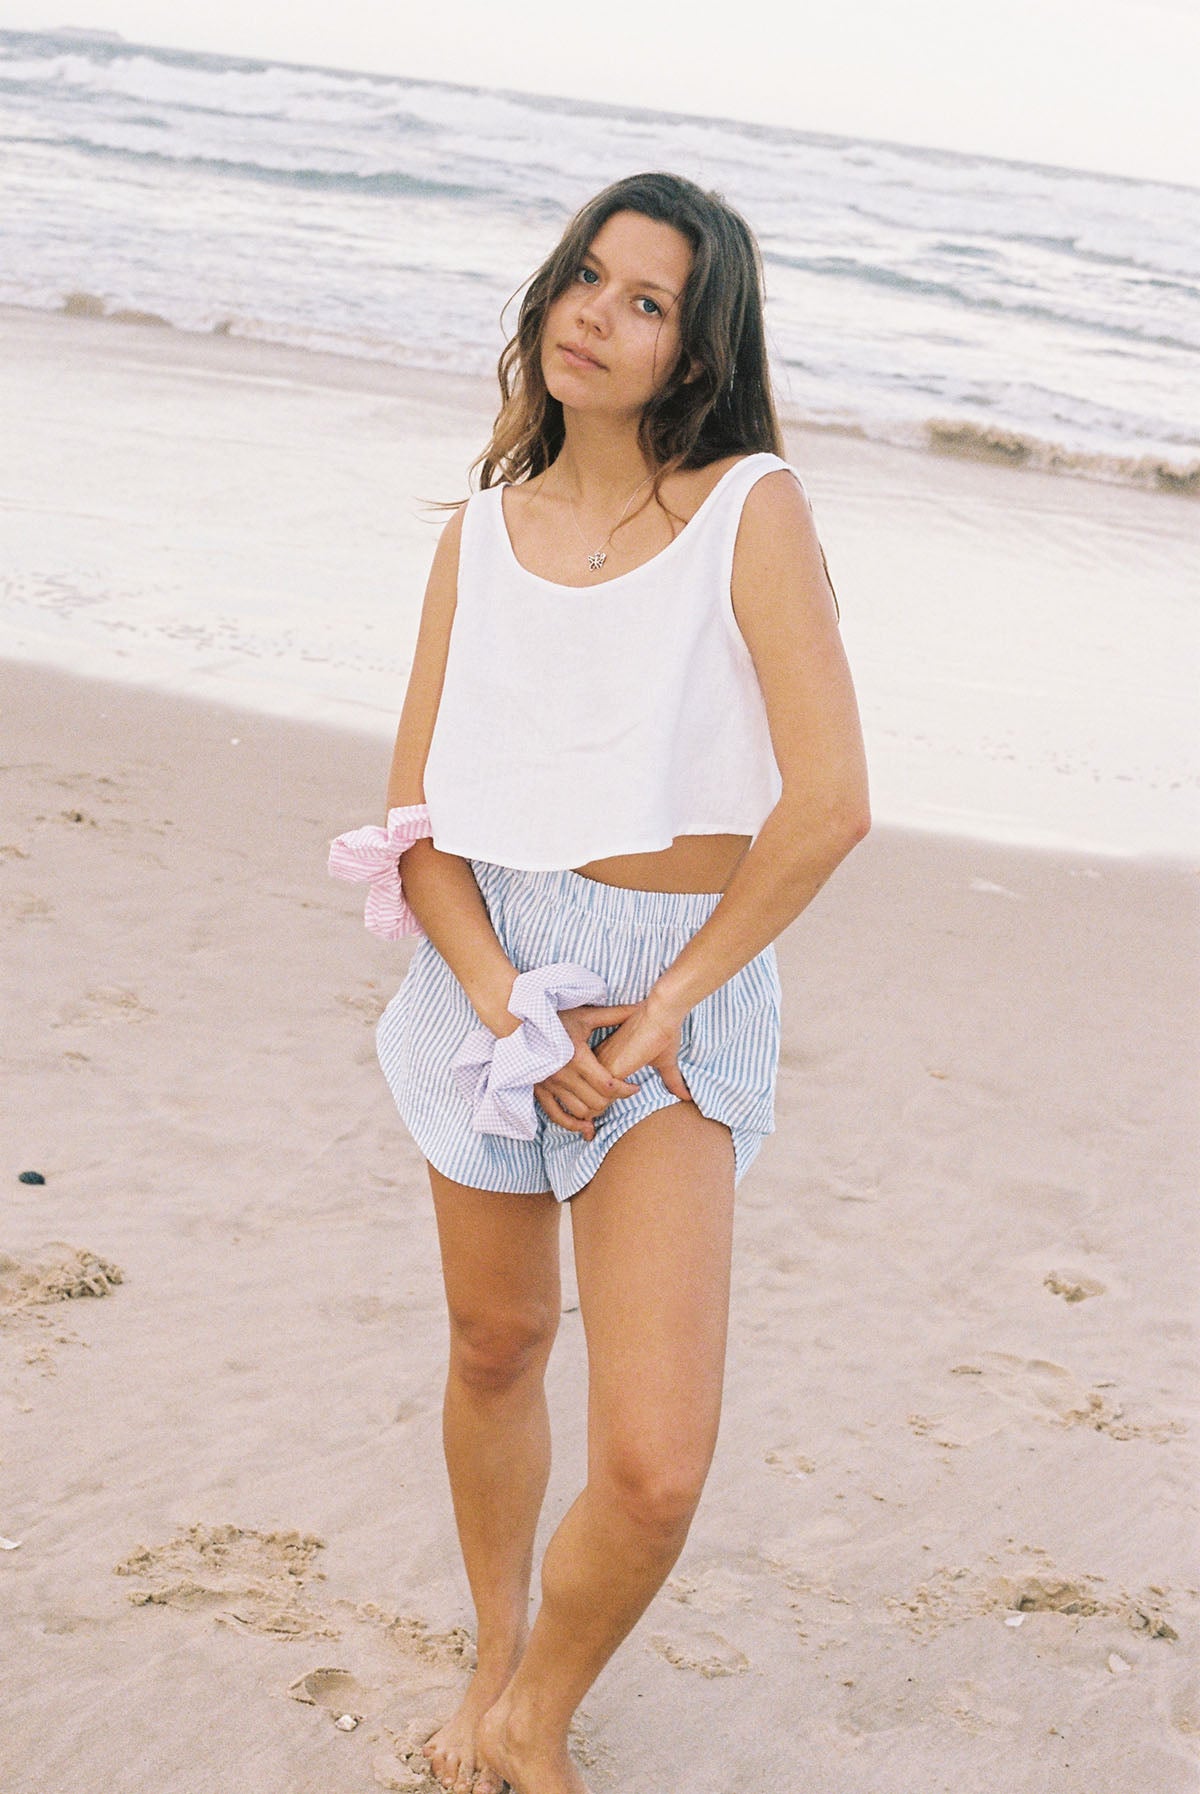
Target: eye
{"points": [[588, 276], [652, 310]]}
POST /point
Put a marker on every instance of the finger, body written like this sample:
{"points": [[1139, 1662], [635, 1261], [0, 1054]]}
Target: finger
{"points": [[601, 1080], [610, 1053], [560, 1116], [576, 1096], [568, 1097], [668, 1070], [607, 1018], [593, 1081]]}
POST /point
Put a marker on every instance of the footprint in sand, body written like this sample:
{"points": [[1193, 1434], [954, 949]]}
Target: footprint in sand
{"points": [[791, 1461], [1085, 1596], [453, 1649], [707, 1653], [1072, 1286], [107, 1003], [337, 1691], [1051, 1393], [25, 906], [950, 1595], [717, 1588], [246, 1578]]}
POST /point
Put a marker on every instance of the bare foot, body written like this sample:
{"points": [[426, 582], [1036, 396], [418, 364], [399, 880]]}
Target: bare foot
{"points": [[451, 1750], [525, 1767]]}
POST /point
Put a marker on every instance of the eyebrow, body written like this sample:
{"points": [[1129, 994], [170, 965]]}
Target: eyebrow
{"points": [[651, 286]]}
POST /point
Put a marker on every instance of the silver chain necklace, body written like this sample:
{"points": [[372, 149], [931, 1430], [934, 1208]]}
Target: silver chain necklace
{"points": [[596, 557]]}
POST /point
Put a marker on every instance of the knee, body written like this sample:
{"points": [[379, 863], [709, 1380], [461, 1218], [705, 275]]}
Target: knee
{"points": [[490, 1352], [657, 1491]]}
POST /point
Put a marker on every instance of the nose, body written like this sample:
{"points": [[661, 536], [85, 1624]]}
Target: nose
{"points": [[591, 310]]}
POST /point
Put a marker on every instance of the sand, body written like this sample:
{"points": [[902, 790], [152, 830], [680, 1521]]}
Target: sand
{"points": [[949, 1541]]}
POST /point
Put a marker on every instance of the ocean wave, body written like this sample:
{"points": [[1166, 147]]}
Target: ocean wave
{"points": [[971, 441], [390, 183], [841, 267], [1018, 448], [1077, 249]]}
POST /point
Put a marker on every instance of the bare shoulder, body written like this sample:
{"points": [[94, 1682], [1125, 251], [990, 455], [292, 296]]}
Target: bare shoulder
{"points": [[442, 587], [451, 533], [428, 668], [777, 500], [778, 561]]}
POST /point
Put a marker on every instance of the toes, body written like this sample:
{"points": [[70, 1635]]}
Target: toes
{"points": [[445, 1765]]}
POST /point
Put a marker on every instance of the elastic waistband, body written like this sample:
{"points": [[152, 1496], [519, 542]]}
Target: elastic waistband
{"points": [[613, 905]]}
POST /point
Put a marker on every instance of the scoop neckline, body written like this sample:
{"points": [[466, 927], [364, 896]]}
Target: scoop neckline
{"points": [[558, 586]]}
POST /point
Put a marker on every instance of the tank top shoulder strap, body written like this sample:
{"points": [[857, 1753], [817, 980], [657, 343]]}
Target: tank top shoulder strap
{"points": [[478, 547]]}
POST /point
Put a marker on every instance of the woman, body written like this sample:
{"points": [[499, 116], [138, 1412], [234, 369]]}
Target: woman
{"points": [[629, 756]]}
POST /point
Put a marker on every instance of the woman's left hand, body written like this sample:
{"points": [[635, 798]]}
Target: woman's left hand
{"points": [[650, 1036]]}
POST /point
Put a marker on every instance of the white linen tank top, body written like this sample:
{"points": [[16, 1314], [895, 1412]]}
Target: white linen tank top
{"points": [[579, 722]]}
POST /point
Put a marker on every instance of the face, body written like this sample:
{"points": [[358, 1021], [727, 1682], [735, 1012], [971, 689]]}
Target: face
{"points": [[611, 339]]}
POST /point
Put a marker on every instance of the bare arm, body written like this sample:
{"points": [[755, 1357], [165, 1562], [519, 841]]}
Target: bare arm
{"points": [[441, 887], [786, 613]]}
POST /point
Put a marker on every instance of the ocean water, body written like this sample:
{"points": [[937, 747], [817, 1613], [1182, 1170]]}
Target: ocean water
{"points": [[1036, 315]]}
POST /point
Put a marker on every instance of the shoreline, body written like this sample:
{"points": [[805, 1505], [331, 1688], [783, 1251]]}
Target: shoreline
{"points": [[958, 1449], [949, 438]]}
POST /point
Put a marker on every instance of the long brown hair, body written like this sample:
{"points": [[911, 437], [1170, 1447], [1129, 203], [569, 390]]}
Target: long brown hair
{"points": [[725, 409], [716, 401]]}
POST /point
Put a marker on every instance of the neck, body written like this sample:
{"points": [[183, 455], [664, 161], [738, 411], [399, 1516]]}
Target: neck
{"points": [[600, 463]]}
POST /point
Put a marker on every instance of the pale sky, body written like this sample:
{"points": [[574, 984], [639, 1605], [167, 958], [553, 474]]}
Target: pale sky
{"points": [[1107, 85]]}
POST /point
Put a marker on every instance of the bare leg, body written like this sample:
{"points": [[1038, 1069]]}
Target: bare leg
{"points": [[500, 1265], [652, 1246]]}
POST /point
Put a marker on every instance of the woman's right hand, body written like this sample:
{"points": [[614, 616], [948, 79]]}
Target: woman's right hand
{"points": [[583, 1089]]}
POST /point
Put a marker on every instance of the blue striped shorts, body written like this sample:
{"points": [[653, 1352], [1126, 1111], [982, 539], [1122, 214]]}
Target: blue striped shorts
{"points": [[729, 1046]]}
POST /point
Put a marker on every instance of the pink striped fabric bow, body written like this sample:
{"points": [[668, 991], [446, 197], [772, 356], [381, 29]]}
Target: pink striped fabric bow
{"points": [[371, 856]]}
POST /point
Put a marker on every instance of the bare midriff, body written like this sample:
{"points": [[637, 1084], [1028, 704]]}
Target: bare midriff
{"points": [[691, 863]]}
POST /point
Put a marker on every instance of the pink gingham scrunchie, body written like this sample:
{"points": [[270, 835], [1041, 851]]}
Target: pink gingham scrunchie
{"points": [[497, 1076], [371, 856]]}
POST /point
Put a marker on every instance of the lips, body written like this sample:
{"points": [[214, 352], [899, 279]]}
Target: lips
{"points": [[579, 357]]}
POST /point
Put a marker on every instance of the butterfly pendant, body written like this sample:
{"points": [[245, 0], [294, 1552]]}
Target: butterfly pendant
{"points": [[597, 560]]}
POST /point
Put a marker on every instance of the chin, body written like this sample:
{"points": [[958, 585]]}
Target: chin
{"points": [[573, 394]]}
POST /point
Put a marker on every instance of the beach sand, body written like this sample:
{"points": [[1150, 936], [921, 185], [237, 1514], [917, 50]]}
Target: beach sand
{"points": [[949, 1540]]}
